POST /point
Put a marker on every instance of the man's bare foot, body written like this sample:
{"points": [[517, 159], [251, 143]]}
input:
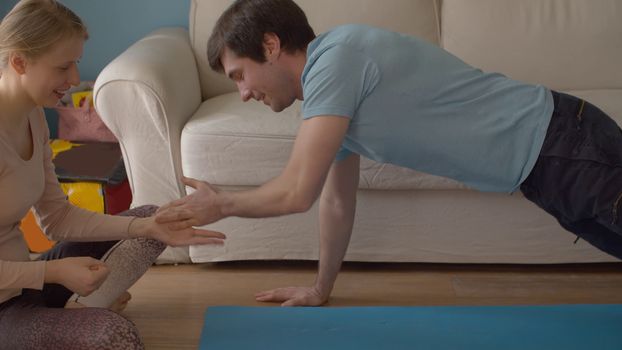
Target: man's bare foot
{"points": [[117, 306]]}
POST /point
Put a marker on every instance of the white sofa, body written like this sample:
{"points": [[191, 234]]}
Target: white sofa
{"points": [[173, 116]]}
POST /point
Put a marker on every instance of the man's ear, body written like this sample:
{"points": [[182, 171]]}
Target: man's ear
{"points": [[271, 46], [18, 62]]}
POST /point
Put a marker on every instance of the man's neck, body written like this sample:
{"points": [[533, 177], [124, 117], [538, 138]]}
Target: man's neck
{"points": [[296, 63]]}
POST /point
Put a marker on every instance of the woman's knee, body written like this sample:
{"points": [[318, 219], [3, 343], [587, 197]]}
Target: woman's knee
{"points": [[69, 329], [109, 330]]}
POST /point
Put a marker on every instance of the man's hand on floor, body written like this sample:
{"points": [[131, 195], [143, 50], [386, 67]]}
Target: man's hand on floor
{"points": [[293, 296]]}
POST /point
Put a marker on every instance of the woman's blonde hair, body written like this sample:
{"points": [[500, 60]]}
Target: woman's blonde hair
{"points": [[33, 27]]}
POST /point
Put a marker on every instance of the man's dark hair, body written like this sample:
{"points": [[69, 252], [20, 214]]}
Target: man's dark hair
{"points": [[242, 26]]}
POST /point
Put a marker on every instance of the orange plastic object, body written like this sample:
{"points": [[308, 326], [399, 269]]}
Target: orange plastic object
{"points": [[35, 238]]}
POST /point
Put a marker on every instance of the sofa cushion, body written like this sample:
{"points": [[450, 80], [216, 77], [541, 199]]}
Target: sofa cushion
{"points": [[415, 17], [233, 143], [229, 142], [558, 43]]}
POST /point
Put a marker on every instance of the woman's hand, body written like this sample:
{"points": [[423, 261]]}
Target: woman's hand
{"points": [[148, 227], [81, 275]]}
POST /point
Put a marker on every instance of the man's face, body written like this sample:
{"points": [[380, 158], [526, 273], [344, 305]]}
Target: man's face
{"points": [[269, 81]]}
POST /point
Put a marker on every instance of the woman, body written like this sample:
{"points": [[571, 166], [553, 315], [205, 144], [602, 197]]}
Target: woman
{"points": [[47, 303]]}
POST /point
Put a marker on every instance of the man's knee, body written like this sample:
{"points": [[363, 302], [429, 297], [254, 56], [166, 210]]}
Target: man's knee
{"points": [[598, 235]]}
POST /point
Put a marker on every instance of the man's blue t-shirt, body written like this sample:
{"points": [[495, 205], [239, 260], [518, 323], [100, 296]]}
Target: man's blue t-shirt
{"points": [[414, 104]]}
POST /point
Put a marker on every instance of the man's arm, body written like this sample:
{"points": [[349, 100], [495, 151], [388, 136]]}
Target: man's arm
{"points": [[337, 208], [295, 190]]}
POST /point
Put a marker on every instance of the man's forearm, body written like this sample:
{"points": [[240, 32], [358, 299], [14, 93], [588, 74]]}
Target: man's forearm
{"points": [[293, 191], [302, 180], [277, 197], [335, 231]]}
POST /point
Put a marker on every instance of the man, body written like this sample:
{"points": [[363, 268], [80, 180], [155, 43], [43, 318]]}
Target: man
{"points": [[418, 107]]}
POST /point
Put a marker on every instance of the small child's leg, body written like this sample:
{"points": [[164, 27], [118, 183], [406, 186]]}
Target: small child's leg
{"points": [[56, 295], [128, 260]]}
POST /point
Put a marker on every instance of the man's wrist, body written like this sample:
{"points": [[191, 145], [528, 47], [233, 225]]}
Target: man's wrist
{"points": [[323, 290], [225, 203]]}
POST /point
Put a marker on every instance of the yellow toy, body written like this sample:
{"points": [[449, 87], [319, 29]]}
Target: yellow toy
{"points": [[79, 98]]}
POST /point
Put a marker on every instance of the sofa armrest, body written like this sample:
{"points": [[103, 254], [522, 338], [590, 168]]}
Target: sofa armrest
{"points": [[146, 96]]}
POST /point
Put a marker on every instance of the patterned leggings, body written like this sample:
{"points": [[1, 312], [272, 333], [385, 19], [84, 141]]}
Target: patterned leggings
{"points": [[37, 319]]}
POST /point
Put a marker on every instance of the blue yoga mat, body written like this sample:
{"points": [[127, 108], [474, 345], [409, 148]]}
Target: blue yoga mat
{"points": [[427, 327]]}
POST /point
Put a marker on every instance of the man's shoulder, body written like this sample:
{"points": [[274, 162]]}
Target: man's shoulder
{"points": [[353, 28], [341, 40], [349, 33]]}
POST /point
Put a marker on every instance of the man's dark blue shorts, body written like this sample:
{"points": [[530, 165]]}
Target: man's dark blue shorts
{"points": [[578, 175]]}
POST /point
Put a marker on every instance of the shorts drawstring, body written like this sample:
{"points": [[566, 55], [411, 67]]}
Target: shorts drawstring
{"points": [[580, 114]]}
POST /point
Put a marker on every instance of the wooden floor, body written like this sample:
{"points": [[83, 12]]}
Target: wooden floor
{"points": [[169, 301]]}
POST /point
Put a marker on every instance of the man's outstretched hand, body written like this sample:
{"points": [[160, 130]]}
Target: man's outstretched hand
{"points": [[199, 208], [293, 296]]}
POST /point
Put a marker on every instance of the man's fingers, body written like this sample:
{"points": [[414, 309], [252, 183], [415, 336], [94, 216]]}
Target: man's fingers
{"points": [[173, 204], [194, 183], [262, 293], [163, 217], [178, 202], [209, 234], [290, 296], [179, 225], [301, 301], [275, 295], [163, 208], [293, 302], [266, 295], [173, 214], [205, 240], [197, 241], [263, 296], [267, 298]]}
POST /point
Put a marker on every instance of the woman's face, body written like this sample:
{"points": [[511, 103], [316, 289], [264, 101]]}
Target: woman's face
{"points": [[47, 77]]}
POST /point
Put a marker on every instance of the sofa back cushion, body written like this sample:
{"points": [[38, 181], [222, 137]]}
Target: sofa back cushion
{"points": [[562, 44], [415, 17]]}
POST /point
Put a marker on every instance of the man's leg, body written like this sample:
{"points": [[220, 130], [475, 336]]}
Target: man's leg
{"points": [[578, 175], [597, 235]]}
